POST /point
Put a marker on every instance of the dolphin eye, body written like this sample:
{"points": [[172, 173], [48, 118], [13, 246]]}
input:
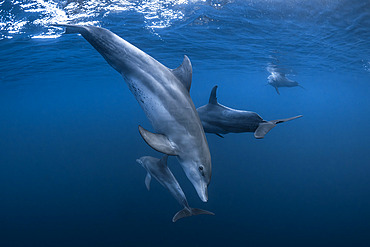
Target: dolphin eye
{"points": [[201, 168]]}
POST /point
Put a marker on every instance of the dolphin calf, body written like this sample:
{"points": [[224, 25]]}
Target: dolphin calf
{"points": [[219, 119], [277, 79], [163, 94], [158, 169]]}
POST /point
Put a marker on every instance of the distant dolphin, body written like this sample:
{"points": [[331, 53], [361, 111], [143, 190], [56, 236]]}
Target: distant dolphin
{"points": [[163, 94], [159, 170], [277, 79], [219, 119]]}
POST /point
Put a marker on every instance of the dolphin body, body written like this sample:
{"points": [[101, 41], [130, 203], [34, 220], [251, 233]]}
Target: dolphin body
{"points": [[163, 94], [219, 119], [158, 169], [277, 80]]}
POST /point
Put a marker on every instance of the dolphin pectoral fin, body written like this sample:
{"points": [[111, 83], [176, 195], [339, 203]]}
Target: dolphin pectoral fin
{"points": [[186, 212], [219, 135], [213, 96], [184, 73], [158, 142], [277, 90], [277, 121], [148, 178], [263, 129]]}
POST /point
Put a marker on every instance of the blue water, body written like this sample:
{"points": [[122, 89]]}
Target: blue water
{"points": [[69, 138]]}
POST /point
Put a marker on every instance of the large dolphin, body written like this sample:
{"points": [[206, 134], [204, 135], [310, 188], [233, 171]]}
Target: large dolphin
{"points": [[158, 169], [163, 94], [277, 79], [219, 119]]}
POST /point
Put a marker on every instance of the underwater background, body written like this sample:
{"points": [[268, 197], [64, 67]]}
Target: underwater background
{"points": [[69, 137]]}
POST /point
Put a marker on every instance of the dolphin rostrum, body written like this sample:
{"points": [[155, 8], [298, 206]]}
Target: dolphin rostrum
{"points": [[219, 119], [277, 79], [158, 169], [163, 94]]}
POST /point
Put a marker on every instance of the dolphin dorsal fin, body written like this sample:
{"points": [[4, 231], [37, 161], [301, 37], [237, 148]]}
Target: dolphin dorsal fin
{"points": [[163, 160], [148, 178], [158, 142], [213, 96], [184, 73]]}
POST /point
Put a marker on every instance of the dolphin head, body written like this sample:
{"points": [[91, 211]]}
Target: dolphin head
{"points": [[271, 79], [199, 174], [141, 161]]}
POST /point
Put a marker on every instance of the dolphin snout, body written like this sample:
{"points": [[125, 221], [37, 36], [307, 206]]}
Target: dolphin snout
{"points": [[139, 161], [203, 192], [204, 197]]}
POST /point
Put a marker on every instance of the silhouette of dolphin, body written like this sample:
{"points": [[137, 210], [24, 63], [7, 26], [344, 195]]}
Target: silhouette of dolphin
{"points": [[277, 79], [219, 119], [163, 94], [158, 169]]}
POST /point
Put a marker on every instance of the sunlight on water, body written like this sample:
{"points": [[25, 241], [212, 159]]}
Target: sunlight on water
{"points": [[40, 13], [330, 34]]}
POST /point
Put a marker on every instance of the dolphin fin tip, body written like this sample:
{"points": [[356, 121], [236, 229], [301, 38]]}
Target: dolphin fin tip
{"points": [[213, 96]]}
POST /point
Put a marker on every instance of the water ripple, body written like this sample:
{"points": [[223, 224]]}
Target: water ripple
{"points": [[329, 35]]}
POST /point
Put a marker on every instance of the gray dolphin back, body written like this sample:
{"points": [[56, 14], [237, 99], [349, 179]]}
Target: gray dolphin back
{"points": [[186, 212]]}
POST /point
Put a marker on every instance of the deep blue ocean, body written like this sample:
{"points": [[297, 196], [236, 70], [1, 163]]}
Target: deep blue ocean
{"points": [[69, 137]]}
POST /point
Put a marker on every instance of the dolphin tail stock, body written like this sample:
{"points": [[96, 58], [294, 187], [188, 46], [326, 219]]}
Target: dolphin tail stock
{"points": [[265, 127], [186, 212]]}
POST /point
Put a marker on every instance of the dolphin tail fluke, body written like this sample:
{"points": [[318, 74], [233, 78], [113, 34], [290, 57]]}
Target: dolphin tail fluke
{"points": [[186, 212], [265, 127], [285, 119]]}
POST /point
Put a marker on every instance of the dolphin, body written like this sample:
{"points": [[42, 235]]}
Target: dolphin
{"points": [[219, 119], [163, 94], [158, 169], [277, 79]]}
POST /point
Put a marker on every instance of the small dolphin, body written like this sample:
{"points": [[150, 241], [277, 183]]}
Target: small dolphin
{"points": [[277, 79], [163, 94], [158, 169], [219, 119]]}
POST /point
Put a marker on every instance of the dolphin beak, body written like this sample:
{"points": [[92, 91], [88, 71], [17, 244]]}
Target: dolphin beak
{"points": [[202, 191], [139, 161]]}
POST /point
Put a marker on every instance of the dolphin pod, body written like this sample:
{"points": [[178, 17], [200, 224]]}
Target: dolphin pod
{"points": [[163, 94], [219, 119], [158, 169]]}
